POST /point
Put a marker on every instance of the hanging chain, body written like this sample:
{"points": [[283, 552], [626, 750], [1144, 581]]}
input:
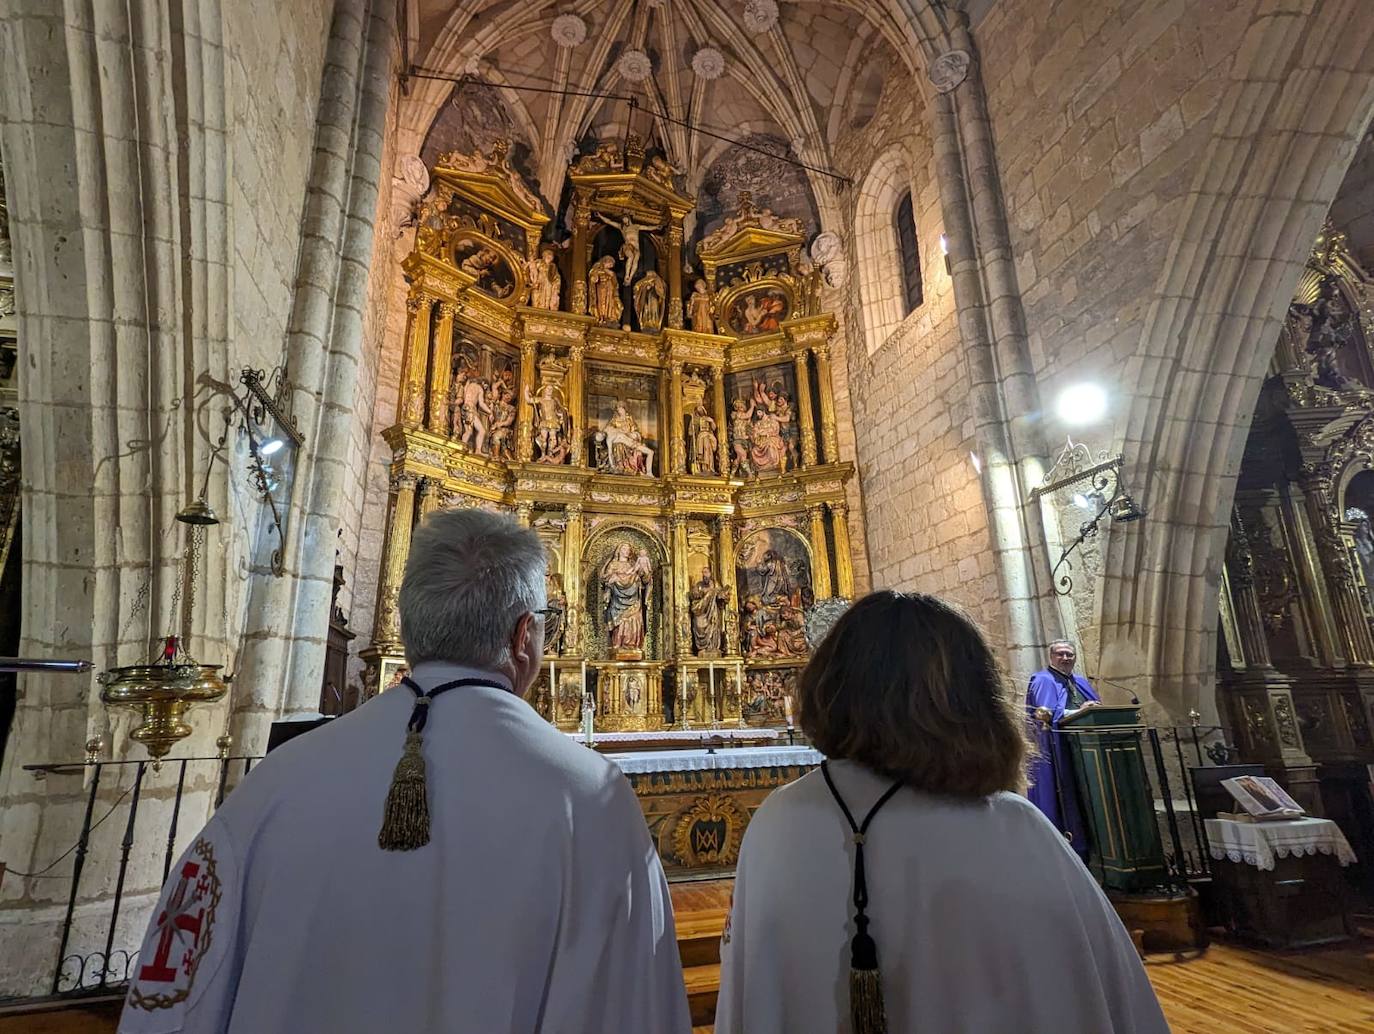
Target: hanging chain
{"points": [[194, 549]]}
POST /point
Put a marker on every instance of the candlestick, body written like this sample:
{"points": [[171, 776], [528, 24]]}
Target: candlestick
{"points": [[711, 700]]}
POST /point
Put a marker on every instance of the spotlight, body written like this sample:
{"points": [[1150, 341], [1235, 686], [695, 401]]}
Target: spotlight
{"points": [[270, 447], [1082, 404], [944, 244], [977, 463], [1081, 501]]}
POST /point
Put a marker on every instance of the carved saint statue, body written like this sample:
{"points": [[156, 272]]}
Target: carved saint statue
{"points": [[649, 294], [604, 293], [699, 310], [550, 424], [626, 450], [554, 625], [741, 431], [706, 600], [625, 579], [545, 282], [629, 244], [476, 414], [705, 446], [502, 421], [454, 401]]}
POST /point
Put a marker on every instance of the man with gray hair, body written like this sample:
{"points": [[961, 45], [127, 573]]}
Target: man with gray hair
{"points": [[497, 877]]}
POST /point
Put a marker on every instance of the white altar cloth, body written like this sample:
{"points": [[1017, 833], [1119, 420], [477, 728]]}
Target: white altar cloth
{"points": [[682, 735], [647, 761], [1261, 843]]}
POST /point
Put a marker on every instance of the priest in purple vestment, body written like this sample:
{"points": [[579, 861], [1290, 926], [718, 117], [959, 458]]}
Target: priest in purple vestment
{"points": [[1053, 788]]}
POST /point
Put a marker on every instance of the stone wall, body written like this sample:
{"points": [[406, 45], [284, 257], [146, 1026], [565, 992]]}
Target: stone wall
{"points": [[926, 525], [157, 231]]}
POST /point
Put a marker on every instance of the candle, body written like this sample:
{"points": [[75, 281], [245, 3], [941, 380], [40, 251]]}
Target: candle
{"points": [[787, 710], [711, 715]]}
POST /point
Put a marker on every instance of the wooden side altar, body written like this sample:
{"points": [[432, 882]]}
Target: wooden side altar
{"points": [[671, 440]]}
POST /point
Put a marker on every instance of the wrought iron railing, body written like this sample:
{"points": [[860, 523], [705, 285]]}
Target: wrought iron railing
{"points": [[104, 964]]}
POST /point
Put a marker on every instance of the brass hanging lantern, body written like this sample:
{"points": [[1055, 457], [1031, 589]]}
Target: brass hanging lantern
{"points": [[163, 691]]}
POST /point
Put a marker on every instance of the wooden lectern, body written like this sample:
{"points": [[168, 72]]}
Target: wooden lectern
{"points": [[1106, 744]]}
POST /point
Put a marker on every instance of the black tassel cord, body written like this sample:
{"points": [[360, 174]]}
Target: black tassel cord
{"points": [[866, 1012], [405, 818]]}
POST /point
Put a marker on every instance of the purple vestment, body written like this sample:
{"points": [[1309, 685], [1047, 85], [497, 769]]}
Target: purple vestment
{"points": [[1047, 690]]}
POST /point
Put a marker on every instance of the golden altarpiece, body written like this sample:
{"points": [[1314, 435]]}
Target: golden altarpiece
{"points": [[670, 437], [1296, 664]]}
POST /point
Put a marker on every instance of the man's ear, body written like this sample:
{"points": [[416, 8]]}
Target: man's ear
{"points": [[520, 638]]}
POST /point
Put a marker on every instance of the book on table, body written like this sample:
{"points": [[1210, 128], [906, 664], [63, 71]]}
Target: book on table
{"points": [[1262, 799]]}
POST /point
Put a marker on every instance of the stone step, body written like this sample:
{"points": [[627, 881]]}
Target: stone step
{"points": [[703, 984]]}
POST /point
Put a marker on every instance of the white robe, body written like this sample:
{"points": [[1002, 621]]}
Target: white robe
{"points": [[539, 904], [985, 920]]}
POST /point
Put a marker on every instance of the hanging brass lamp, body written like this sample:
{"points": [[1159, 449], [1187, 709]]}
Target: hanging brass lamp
{"points": [[162, 693]]}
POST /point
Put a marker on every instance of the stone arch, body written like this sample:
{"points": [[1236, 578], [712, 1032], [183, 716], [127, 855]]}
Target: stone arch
{"points": [[1287, 128], [875, 242]]}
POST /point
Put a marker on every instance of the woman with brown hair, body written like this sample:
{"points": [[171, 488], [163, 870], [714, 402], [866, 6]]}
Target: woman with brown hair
{"points": [[906, 886]]}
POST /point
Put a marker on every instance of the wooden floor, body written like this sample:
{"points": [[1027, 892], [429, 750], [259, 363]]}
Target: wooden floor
{"points": [[1226, 989]]}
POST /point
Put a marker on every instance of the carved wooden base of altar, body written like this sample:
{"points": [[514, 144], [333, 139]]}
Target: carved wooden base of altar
{"points": [[698, 805]]}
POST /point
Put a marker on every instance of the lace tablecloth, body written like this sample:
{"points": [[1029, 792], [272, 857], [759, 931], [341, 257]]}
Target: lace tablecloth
{"points": [[646, 761], [682, 735], [1261, 843]]}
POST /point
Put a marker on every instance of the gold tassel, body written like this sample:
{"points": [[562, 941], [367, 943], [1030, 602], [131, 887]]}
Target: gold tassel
{"points": [[866, 1015], [405, 822]]}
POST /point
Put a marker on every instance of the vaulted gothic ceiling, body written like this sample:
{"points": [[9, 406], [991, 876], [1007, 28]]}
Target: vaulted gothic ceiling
{"points": [[695, 77]]}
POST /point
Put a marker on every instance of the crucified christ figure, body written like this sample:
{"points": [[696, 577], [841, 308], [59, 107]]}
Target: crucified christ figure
{"points": [[629, 246]]}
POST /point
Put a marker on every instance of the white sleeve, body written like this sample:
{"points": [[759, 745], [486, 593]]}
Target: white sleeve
{"points": [[730, 1001], [617, 968], [186, 975]]}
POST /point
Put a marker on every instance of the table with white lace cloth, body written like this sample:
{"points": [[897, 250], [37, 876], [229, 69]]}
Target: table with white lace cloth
{"points": [[1261, 844]]}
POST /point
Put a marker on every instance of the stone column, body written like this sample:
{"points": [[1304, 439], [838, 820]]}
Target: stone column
{"points": [[722, 419], [844, 560], [675, 276], [576, 407], [725, 554], [682, 634], [431, 496], [820, 553], [441, 371], [524, 427], [581, 241], [675, 438], [830, 444], [415, 366], [806, 419], [572, 579], [395, 551]]}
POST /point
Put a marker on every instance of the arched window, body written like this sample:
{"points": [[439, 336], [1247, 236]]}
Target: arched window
{"points": [[910, 252], [881, 282]]}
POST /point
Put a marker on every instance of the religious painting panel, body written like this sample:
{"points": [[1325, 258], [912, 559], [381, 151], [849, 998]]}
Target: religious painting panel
{"points": [[764, 433], [774, 583], [759, 309], [623, 417], [495, 266], [392, 670], [770, 695], [624, 572], [482, 399]]}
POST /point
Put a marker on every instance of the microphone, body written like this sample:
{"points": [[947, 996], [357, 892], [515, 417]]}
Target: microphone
{"points": [[1135, 700]]}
